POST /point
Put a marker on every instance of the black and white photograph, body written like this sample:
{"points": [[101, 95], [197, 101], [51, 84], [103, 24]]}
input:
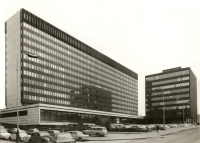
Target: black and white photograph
{"points": [[100, 71]]}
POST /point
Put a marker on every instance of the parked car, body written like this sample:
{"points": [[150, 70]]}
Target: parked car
{"points": [[41, 137], [23, 136], [4, 134], [64, 138], [77, 135], [30, 131], [53, 132], [98, 131], [1, 127]]}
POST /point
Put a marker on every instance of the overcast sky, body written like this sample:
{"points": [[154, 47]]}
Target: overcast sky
{"points": [[144, 36]]}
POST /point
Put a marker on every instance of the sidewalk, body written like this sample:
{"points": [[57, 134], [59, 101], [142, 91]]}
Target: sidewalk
{"points": [[142, 135]]}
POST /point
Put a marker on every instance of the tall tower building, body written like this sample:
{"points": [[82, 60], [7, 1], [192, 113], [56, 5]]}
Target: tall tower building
{"points": [[68, 80], [171, 96]]}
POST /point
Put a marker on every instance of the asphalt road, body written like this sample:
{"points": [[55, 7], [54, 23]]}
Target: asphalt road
{"points": [[187, 136]]}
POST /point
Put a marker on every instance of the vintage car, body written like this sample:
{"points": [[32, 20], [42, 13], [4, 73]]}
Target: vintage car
{"points": [[53, 132], [30, 131], [4, 134], [64, 138], [77, 135], [23, 136], [41, 137], [98, 131]]}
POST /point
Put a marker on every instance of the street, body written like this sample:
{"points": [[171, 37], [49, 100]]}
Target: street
{"points": [[187, 136]]}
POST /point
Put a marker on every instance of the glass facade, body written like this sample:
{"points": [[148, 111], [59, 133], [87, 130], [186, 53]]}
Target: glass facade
{"points": [[170, 90], [68, 76], [62, 116]]}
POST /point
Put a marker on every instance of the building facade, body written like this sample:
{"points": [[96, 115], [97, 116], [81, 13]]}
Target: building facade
{"points": [[65, 73], [198, 119], [172, 96]]}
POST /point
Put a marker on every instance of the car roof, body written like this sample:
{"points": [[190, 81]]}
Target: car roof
{"points": [[97, 127], [73, 131], [64, 133]]}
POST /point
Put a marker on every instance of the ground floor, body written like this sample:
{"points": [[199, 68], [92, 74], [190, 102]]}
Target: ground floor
{"points": [[175, 120], [44, 115]]}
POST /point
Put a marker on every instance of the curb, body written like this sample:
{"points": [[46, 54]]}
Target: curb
{"points": [[121, 139]]}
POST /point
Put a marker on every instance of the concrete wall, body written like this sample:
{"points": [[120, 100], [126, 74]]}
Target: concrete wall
{"points": [[12, 60], [31, 119]]}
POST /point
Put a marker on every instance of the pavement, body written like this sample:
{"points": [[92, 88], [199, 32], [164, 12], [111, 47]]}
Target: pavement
{"points": [[140, 135]]}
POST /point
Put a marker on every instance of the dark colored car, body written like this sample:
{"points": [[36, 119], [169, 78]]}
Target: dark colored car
{"points": [[30, 131], [64, 138], [41, 137]]}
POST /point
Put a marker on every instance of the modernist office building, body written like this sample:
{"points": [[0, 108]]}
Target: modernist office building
{"points": [[68, 80], [175, 90]]}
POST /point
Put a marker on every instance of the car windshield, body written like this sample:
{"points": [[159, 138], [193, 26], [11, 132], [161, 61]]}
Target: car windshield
{"points": [[64, 136], [79, 133], [33, 130], [56, 131], [44, 134], [104, 129]]}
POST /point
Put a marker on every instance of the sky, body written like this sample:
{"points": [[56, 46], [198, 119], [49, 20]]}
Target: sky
{"points": [[146, 36]]}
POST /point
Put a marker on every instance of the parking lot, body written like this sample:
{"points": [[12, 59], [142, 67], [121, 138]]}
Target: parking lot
{"points": [[119, 136]]}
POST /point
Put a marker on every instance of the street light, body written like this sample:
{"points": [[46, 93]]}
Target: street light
{"points": [[31, 56], [163, 106]]}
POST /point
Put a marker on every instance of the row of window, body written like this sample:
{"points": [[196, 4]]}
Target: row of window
{"points": [[171, 108], [61, 46], [67, 86], [78, 69], [171, 86], [13, 114], [167, 75], [170, 102], [41, 69], [170, 97], [47, 100], [116, 90], [62, 116], [69, 74], [170, 81], [124, 106], [171, 91]]}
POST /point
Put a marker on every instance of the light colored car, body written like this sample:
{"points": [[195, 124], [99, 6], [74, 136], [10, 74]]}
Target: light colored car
{"points": [[53, 132], [4, 134], [77, 135], [64, 138], [23, 136], [98, 131]]}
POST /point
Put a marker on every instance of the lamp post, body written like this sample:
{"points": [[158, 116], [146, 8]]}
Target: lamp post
{"points": [[31, 56], [163, 110]]}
